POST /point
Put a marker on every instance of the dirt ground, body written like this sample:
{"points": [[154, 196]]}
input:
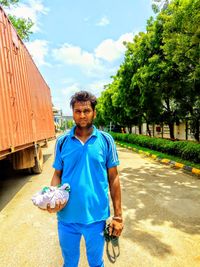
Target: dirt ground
{"points": [[161, 213]]}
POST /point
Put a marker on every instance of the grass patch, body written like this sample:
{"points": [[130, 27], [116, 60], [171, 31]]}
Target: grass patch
{"points": [[162, 155]]}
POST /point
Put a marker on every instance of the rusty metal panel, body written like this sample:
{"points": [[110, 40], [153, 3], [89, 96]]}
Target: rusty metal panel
{"points": [[26, 114]]}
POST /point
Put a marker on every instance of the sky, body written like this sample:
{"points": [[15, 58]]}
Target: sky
{"points": [[78, 45]]}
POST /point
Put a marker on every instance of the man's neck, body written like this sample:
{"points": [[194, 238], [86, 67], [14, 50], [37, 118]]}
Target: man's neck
{"points": [[83, 133]]}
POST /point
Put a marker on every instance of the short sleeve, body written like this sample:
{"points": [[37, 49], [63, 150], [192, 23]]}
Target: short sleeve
{"points": [[58, 163], [112, 156]]}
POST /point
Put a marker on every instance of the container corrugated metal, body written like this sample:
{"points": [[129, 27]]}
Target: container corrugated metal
{"points": [[26, 114]]}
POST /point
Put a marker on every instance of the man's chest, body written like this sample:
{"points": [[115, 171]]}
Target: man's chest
{"points": [[91, 151]]}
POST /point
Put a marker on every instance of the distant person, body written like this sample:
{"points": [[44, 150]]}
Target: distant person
{"points": [[123, 130], [87, 160]]}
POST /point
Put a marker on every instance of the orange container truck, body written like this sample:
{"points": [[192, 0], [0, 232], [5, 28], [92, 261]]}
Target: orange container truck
{"points": [[26, 115]]}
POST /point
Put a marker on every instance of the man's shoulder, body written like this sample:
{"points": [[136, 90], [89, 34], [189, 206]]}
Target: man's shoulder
{"points": [[61, 140], [63, 137], [105, 133], [106, 136]]}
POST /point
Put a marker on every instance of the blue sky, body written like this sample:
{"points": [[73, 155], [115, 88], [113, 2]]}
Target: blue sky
{"points": [[78, 45]]}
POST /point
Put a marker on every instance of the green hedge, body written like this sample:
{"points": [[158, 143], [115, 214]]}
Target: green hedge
{"points": [[184, 149]]}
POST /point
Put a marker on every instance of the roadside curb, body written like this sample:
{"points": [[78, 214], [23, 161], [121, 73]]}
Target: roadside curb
{"points": [[172, 163]]}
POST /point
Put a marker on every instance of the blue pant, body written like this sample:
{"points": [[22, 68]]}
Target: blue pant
{"points": [[70, 236]]}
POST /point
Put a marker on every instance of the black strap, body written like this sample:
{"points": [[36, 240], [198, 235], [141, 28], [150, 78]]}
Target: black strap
{"points": [[105, 137], [112, 249], [112, 245], [62, 142]]}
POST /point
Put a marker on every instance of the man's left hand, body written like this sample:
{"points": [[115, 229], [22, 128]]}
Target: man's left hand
{"points": [[59, 206], [116, 227]]}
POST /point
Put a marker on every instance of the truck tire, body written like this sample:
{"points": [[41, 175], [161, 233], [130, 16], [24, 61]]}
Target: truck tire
{"points": [[38, 161]]}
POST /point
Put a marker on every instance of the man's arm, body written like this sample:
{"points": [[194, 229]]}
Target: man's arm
{"points": [[56, 180], [116, 224]]}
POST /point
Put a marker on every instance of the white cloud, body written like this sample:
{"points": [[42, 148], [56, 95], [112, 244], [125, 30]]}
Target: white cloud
{"points": [[70, 90], [111, 50], [103, 21], [62, 97], [38, 50], [30, 10], [97, 87], [74, 55], [60, 103], [67, 80], [108, 50], [93, 63]]}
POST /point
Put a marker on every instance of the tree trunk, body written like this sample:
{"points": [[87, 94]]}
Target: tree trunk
{"points": [[130, 129], [171, 130], [153, 129], [148, 130], [186, 130], [140, 128], [162, 129], [196, 134]]}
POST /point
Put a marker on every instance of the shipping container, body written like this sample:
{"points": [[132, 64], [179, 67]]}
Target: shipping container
{"points": [[26, 115]]}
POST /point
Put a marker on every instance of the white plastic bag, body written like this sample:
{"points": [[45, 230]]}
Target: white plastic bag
{"points": [[50, 195]]}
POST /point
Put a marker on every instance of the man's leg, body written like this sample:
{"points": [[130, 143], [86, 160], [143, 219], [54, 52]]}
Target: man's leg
{"points": [[94, 239], [69, 237]]}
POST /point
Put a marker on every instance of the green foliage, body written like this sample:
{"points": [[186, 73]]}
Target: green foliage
{"points": [[159, 80], [181, 38], [155, 8], [159, 5], [22, 26], [185, 149], [191, 151], [63, 126], [160, 155], [8, 3], [70, 124]]}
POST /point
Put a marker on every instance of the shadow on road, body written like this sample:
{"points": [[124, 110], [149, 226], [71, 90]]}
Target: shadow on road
{"points": [[11, 181], [46, 157], [156, 195]]}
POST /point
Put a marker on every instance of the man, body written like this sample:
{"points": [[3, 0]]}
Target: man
{"points": [[87, 160]]}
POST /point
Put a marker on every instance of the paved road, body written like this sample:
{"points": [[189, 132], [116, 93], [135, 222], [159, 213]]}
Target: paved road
{"points": [[161, 210]]}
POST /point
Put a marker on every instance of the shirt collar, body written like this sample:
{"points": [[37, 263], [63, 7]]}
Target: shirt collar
{"points": [[72, 132]]}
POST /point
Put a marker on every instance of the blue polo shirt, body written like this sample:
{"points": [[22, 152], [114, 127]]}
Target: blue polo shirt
{"points": [[84, 167]]}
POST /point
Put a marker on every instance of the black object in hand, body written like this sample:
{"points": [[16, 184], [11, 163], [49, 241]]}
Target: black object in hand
{"points": [[108, 237], [112, 245]]}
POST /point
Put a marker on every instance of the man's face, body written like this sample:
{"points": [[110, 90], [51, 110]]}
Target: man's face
{"points": [[83, 114]]}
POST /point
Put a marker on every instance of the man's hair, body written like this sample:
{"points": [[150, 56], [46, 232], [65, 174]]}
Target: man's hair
{"points": [[83, 96]]}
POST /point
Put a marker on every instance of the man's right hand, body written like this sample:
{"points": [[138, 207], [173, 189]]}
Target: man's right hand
{"points": [[59, 206]]}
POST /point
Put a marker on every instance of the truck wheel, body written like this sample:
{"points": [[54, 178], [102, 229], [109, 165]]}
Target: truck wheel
{"points": [[38, 162]]}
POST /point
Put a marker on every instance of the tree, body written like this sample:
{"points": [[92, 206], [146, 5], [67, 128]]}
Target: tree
{"points": [[144, 80], [23, 26], [159, 5], [162, 75], [8, 3], [70, 124], [181, 47], [106, 112], [159, 80], [152, 82], [127, 96]]}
